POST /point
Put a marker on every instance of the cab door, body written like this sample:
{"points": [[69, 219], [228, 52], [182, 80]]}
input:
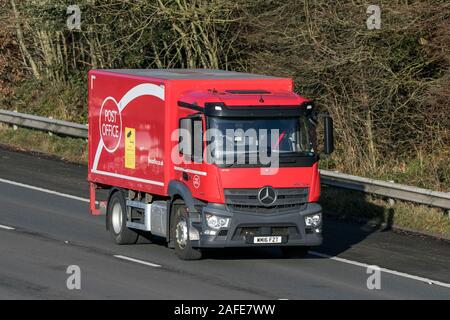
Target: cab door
{"points": [[192, 169]]}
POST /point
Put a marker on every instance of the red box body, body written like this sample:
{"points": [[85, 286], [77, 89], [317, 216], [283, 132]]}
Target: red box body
{"points": [[143, 105]]}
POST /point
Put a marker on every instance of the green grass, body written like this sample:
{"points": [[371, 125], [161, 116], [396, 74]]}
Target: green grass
{"points": [[430, 172], [69, 149], [354, 205]]}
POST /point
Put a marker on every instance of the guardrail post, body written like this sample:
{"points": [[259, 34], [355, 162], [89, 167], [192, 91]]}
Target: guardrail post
{"points": [[49, 132], [15, 127], [391, 201]]}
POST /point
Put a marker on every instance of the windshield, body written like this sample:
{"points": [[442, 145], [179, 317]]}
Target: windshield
{"points": [[233, 138]]}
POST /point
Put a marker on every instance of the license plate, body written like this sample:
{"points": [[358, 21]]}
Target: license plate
{"points": [[263, 240]]}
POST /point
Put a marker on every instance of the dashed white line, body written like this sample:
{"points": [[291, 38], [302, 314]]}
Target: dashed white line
{"points": [[318, 254], [154, 265], [397, 273], [23, 185], [6, 227]]}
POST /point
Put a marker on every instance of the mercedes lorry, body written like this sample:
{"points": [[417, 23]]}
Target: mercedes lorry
{"points": [[205, 159]]}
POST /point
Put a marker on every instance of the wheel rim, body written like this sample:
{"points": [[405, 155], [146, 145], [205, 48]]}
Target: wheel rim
{"points": [[181, 233], [116, 217]]}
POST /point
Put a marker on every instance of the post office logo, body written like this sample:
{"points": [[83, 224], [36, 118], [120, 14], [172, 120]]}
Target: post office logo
{"points": [[110, 123], [196, 181]]}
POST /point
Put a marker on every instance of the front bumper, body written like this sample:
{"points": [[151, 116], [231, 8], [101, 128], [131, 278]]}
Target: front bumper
{"points": [[244, 226]]}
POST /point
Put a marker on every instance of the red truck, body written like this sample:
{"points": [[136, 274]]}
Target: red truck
{"points": [[205, 159]]}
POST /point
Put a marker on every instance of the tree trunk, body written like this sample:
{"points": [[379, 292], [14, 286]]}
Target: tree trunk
{"points": [[22, 45]]}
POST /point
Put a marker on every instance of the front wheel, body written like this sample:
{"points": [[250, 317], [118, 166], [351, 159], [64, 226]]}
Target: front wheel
{"points": [[179, 233]]}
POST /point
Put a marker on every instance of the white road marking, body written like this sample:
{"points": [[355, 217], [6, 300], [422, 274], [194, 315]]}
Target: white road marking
{"points": [[6, 227], [154, 265], [397, 273], [318, 254], [23, 185]]}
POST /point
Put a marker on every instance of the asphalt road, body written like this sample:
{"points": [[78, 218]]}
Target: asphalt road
{"points": [[51, 232]]}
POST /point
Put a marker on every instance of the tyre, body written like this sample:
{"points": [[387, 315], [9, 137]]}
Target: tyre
{"points": [[179, 234], [117, 220], [294, 252]]}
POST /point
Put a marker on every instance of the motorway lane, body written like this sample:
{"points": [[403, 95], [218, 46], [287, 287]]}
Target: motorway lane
{"points": [[34, 267], [43, 172], [34, 257]]}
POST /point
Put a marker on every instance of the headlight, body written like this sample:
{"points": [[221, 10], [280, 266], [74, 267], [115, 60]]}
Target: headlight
{"points": [[313, 220], [216, 222]]}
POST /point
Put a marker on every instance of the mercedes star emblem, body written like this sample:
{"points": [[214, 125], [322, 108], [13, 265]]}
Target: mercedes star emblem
{"points": [[267, 196]]}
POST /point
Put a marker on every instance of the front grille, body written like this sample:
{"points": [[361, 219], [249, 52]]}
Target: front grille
{"points": [[263, 209], [288, 199]]}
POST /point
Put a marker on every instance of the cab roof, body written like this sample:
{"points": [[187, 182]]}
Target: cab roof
{"points": [[243, 98]]}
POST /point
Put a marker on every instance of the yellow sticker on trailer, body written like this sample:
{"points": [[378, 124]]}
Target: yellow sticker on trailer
{"points": [[130, 148]]}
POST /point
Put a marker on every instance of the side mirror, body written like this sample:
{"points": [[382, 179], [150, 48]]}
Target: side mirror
{"points": [[328, 135]]}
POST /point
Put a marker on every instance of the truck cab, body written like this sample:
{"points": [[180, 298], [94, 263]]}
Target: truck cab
{"points": [[250, 160]]}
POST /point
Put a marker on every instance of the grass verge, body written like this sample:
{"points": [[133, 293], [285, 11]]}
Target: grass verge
{"points": [[69, 149], [358, 206]]}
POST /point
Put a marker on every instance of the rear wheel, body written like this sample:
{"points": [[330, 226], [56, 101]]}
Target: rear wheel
{"points": [[117, 220], [179, 234], [294, 252]]}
